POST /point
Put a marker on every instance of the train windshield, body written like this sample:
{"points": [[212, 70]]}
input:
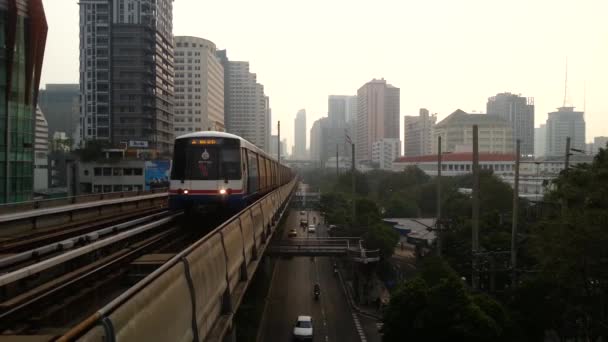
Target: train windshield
{"points": [[206, 159]]}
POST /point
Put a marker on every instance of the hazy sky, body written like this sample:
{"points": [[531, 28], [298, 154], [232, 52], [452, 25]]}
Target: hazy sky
{"points": [[443, 54]]}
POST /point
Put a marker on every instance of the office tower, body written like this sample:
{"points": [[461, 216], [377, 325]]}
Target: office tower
{"points": [[60, 104], [41, 152], [417, 133], [540, 141], [23, 37], [519, 111], [126, 72], [599, 142], [299, 128], [246, 108], [318, 140], [384, 152], [342, 113], [563, 124], [199, 86], [377, 116], [456, 130]]}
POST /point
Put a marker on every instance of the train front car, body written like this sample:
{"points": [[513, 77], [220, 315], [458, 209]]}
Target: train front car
{"points": [[206, 173]]}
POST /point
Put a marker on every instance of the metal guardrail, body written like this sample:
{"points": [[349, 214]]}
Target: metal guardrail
{"points": [[193, 296], [10, 208], [350, 247]]}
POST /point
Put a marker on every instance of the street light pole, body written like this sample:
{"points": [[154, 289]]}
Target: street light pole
{"points": [[437, 224], [514, 220], [475, 214], [352, 167]]}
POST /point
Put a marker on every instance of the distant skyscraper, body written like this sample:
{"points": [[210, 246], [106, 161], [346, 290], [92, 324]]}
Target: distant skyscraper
{"points": [[246, 107], [519, 111], [384, 152], [199, 86], [563, 124], [318, 140], [341, 112], [599, 142], [540, 141], [377, 116], [41, 152], [126, 72], [23, 30], [417, 134], [60, 104], [456, 131], [299, 127]]}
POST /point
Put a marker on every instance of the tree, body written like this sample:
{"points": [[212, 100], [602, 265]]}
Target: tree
{"points": [[570, 247], [435, 306], [383, 238], [398, 207], [93, 150]]}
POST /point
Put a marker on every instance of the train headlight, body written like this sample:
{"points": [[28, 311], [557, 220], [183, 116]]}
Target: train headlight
{"points": [[185, 191], [222, 191]]}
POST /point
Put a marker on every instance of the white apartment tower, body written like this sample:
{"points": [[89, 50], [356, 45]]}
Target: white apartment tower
{"points": [[385, 151], [246, 107], [418, 134], [563, 124], [199, 86], [299, 128]]}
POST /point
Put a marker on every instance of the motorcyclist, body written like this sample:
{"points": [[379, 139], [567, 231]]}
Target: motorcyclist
{"points": [[317, 289]]}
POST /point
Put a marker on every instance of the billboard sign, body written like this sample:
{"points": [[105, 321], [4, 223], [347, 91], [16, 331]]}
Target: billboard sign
{"points": [[157, 174], [138, 143]]}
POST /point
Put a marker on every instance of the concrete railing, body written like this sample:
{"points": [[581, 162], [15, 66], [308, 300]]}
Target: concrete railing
{"points": [[195, 294], [11, 208]]}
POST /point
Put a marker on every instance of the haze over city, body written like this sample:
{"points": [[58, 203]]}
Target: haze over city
{"points": [[443, 55]]}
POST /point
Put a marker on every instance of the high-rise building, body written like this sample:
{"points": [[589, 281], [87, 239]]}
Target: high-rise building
{"points": [[563, 124], [60, 104], [599, 142], [199, 86], [342, 113], [23, 30], [417, 133], [540, 141], [384, 152], [126, 72], [495, 134], [299, 130], [41, 152], [377, 116], [318, 140], [246, 108], [519, 111]]}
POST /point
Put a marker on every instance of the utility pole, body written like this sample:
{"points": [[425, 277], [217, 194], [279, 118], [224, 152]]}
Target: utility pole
{"points": [[514, 220], [437, 220], [475, 230], [567, 159], [352, 168], [279, 142], [337, 166]]}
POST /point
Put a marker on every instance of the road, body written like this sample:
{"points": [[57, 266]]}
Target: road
{"points": [[291, 294]]}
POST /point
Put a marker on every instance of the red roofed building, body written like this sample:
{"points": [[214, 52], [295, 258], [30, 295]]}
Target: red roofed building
{"points": [[454, 164]]}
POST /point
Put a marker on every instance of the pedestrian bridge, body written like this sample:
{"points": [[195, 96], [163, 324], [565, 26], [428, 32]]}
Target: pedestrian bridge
{"points": [[350, 247]]}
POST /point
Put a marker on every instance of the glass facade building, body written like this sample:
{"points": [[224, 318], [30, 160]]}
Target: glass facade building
{"points": [[22, 41]]}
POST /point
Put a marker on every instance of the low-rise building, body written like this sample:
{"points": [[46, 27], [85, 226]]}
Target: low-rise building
{"points": [[455, 164]]}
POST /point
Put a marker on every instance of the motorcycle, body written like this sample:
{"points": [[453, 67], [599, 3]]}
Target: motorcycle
{"points": [[317, 294]]}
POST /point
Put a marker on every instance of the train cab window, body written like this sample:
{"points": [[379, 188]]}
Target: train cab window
{"points": [[203, 163], [230, 161]]}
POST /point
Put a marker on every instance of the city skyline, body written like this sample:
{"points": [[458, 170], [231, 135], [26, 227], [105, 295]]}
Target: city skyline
{"points": [[431, 78]]}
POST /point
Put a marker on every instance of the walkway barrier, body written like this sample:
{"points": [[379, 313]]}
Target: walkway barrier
{"points": [[195, 294], [11, 208]]}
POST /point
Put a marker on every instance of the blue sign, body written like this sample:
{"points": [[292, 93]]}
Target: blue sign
{"points": [[157, 174]]}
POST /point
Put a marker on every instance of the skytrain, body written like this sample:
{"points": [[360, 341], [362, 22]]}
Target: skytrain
{"points": [[217, 169]]}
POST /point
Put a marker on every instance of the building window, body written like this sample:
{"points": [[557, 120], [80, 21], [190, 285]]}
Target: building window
{"points": [[107, 171], [97, 171], [138, 171]]}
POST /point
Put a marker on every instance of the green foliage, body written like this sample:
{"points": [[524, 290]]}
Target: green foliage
{"points": [[93, 150], [398, 207], [435, 306], [383, 238], [569, 245]]}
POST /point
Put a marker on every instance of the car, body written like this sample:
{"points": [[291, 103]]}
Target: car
{"points": [[292, 233], [302, 212], [303, 331], [303, 223], [311, 229]]}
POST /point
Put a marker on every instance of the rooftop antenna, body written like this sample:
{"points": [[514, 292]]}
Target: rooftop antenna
{"points": [[566, 84]]}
